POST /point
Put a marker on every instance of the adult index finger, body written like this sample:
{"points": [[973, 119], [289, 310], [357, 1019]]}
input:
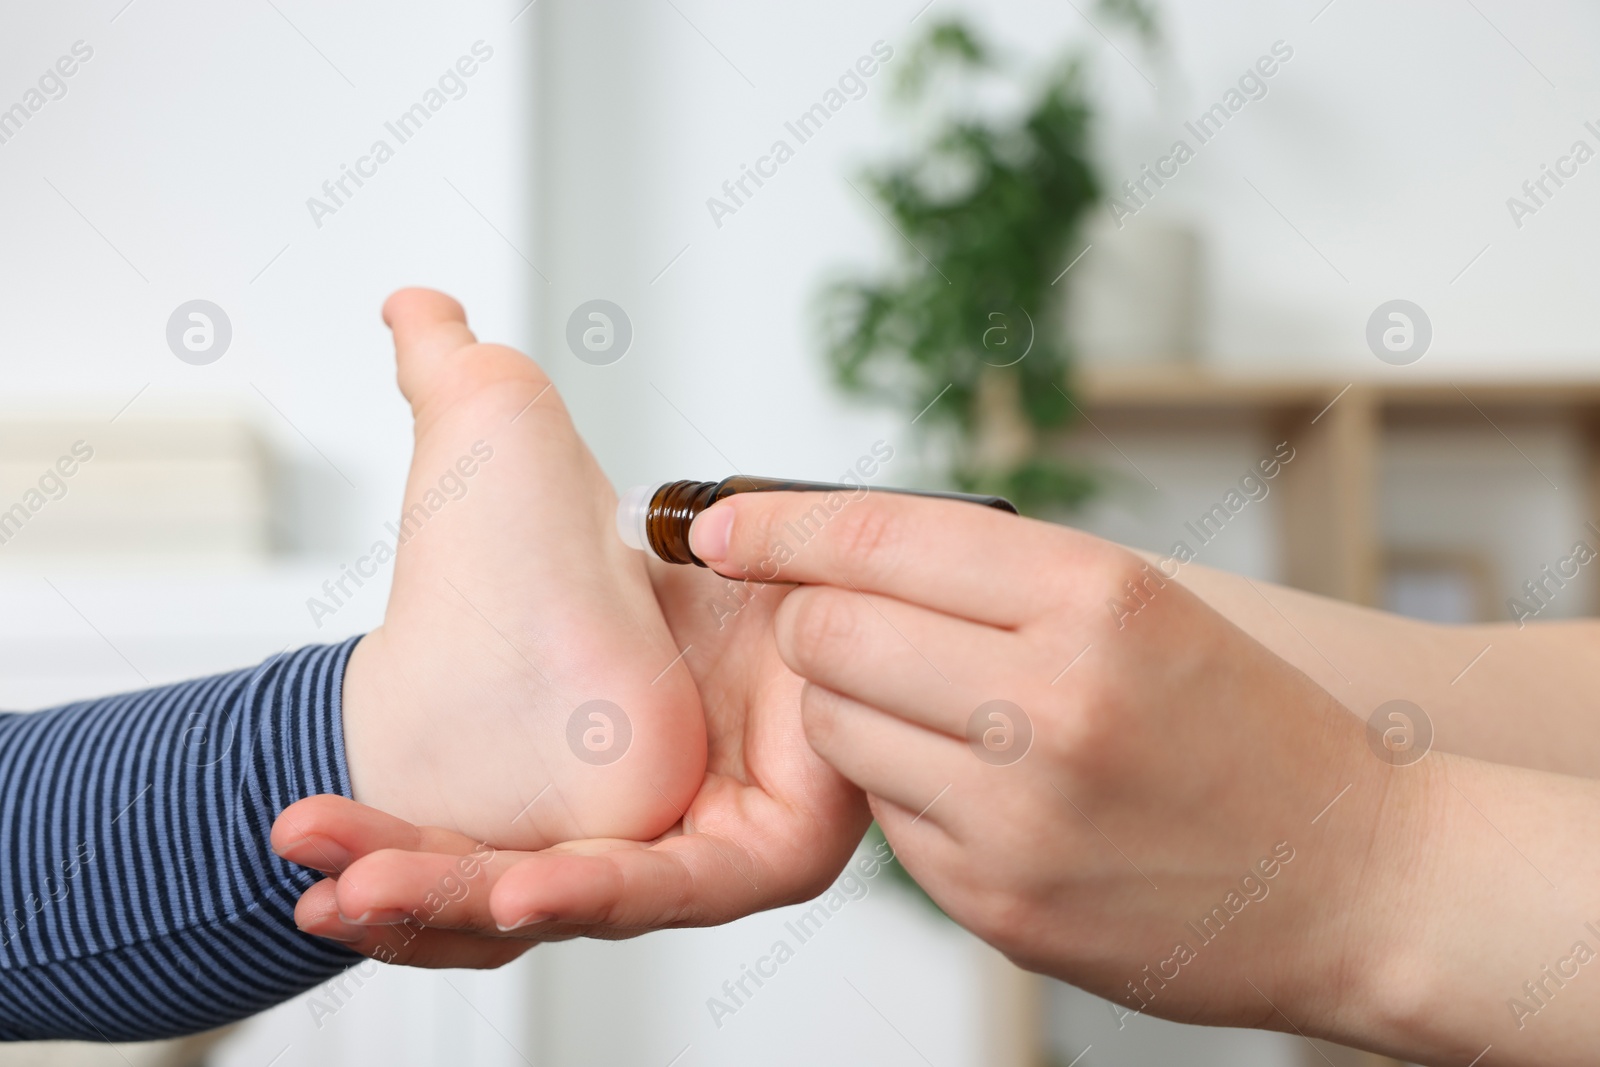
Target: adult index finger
{"points": [[963, 559]]}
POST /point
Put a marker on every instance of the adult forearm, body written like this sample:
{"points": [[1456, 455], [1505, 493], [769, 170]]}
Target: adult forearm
{"points": [[1524, 697], [139, 896]]}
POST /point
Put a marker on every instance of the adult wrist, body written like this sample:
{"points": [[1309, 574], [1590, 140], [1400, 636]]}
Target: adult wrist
{"points": [[1368, 978], [1444, 914]]}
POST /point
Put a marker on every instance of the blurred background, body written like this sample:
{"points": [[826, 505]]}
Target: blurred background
{"points": [[980, 243]]}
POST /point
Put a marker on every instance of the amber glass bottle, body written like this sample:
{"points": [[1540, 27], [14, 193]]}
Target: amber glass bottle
{"points": [[656, 518]]}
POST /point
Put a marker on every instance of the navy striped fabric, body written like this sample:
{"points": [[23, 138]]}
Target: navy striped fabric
{"points": [[139, 896]]}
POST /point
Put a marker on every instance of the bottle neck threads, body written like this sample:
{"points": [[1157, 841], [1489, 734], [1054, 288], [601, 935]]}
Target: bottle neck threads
{"points": [[668, 515]]}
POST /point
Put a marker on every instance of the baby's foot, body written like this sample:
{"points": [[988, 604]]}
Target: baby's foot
{"points": [[523, 688]]}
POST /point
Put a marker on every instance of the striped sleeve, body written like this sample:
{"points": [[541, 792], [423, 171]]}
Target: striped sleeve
{"points": [[139, 895]]}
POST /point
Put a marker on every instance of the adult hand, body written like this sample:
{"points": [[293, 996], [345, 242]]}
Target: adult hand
{"points": [[1147, 804], [771, 824], [1161, 811]]}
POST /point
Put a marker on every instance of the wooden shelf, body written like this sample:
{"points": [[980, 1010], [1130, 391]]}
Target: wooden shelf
{"points": [[1330, 530], [1193, 389]]}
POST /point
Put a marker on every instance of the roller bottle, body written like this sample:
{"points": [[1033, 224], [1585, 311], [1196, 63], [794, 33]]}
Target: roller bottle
{"points": [[656, 518]]}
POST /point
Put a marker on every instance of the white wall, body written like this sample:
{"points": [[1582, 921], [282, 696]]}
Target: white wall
{"points": [[191, 142], [1391, 141]]}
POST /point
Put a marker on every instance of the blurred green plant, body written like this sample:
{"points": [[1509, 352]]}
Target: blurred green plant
{"points": [[966, 330]]}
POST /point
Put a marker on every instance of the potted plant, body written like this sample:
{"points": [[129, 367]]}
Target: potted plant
{"points": [[965, 332]]}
